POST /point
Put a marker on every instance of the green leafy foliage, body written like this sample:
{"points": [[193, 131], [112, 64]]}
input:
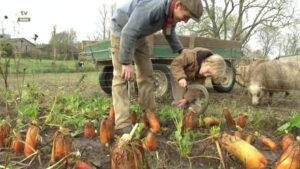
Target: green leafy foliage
{"points": [[183, 140], [168, 112], [294, 122], [29, 110], [135, 107]]}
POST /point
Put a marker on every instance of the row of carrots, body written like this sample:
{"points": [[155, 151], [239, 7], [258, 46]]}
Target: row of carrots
{"points": [[151, 126], [254, 159], [240, 146], [130, 155], [61, 147]]}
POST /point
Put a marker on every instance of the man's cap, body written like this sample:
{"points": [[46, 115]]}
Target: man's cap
{"points": [[194, 7]]}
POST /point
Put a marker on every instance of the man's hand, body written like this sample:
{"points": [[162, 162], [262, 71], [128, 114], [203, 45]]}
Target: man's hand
{"points": [[127, 72], [181, 102], [182, 83]]}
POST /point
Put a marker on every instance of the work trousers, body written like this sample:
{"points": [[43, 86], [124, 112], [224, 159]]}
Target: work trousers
{"points": [[144, 78]]}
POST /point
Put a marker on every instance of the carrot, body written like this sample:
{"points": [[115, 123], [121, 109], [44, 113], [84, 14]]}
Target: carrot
{"points": [[268, 142], [128, 156], [249, 138], [111, 114], [150, 142], [82, 165], [58, 144], [229, 120], [211, 121], [89, 129], [290, 158], [143, 119], [133, 117], [238, 134], [190, 120], [4, 132], [17, 145], [67, 144], [31, 140], [153, 121], [62, 144], [287, 139], [245, 152], [241, 120], [106, 130]]}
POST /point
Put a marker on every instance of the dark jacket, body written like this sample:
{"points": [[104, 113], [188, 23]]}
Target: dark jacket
{"points": [[136, 19], [187, 66]]}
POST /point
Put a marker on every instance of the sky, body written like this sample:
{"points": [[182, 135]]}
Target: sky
{"points": [[82, 16]]}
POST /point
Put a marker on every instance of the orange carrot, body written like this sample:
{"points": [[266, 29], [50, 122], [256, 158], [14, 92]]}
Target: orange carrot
{"points": [[143, 120], [62, 144], [106, 130], [17, 145], [249, 138], [31, 141], [211, 121], [133, 117], [111, 114], [4, 132], [287, 139], [242, 120], [153, 121], [244, 151], [150, 142], [89, 129], [82, 165], [268, 142], [58, 144], [67, 144], [290, 158], [190, 119], [128, 156], [229, 120], [238, 134]]}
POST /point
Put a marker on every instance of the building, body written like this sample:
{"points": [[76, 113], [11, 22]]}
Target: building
{"points": [[22, 45]]}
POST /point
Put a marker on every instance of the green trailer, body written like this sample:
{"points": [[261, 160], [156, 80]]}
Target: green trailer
{"points": [[162, 56]]}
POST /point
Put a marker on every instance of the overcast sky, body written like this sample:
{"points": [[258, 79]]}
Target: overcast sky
{"points": [[82, 16]]}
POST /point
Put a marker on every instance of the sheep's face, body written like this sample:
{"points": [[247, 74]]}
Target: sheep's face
{"points": [[256, 93]]}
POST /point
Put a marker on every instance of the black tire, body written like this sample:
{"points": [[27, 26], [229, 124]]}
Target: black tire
{"points": [[162, 80], [105, 79], [229, 82]]}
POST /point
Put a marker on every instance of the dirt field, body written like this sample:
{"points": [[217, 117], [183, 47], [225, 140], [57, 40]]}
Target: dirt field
{"points": [[266, 118]]}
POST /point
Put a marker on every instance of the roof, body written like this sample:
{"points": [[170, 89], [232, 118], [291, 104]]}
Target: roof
{"points": [[19, 39]]}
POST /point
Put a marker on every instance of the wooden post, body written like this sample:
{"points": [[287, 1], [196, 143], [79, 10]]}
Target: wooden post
{"points": [[192, 41]]}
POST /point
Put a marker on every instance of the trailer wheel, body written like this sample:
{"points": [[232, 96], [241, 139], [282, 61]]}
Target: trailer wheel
{"points": [[161, 73], [105, 79], [228, 83], [162, 80]]}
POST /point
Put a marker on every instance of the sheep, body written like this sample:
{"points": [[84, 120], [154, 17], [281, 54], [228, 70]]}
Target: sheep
{"points": [[273, 76]]}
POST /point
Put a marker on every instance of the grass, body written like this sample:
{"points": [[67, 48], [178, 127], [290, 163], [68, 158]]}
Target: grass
{"points": [[32, 66]]}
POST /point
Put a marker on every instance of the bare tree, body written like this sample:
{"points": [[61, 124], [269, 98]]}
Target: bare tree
{"points": [[290, 39], [268, 39], [239, 19], [53, 42], [104, 15]]}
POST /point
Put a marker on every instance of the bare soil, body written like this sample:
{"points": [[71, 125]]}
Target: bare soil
{"points": [[166, 157]]}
